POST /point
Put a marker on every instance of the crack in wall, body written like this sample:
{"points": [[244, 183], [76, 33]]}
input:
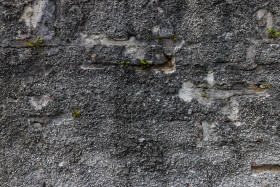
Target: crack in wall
{"points": [[189, 91], [92, 40], [265, 168]]}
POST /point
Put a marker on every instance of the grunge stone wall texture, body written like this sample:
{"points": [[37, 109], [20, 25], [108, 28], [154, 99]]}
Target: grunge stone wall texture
{"points": [[160, 126]]}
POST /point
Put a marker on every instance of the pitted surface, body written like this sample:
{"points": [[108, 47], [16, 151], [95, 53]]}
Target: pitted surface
{"points": [[160, 126]]}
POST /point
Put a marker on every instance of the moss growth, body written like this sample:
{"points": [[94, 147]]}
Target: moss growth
{"points": [[205, 89], [273, 33], [150, 38], [173, 37], [35, 44], [76, 114], [123, 63], [265, 86], [144, 64], [159, 37]]}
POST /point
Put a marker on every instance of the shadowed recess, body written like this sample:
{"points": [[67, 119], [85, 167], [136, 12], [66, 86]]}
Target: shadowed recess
{"points": [[265, 168]]}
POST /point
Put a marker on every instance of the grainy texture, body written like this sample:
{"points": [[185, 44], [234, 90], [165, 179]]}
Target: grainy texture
{"points": [[155, 127]]}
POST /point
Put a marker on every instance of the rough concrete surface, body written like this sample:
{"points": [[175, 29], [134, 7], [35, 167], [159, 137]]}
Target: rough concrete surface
{"points": [[204, 113]]}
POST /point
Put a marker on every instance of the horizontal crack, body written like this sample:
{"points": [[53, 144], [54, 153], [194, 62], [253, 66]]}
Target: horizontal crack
{"points": [[265, 168]]}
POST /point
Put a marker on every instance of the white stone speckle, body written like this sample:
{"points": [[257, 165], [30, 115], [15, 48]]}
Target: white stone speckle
{"points": [[33, 13]]}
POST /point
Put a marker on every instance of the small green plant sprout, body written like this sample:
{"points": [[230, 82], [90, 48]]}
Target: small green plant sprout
{"points": [[273, 33], [159, 37], [173, 37], [206, 88], [76, 114], [150, 38], [203, 94], [36, 44], [123, 63], [144, 64], [264, 86]]}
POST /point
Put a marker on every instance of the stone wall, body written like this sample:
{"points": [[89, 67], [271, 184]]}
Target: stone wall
{"points": [[203, 112]]}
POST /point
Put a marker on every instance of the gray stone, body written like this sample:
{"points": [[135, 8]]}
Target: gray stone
{"points": [[159, 126]]}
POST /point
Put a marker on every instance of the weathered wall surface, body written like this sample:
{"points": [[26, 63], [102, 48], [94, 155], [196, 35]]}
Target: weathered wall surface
{"points": [[154, 127]]}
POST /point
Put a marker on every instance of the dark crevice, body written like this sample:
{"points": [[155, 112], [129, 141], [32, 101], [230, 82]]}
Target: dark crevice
{"points": [[265, 168], [168, 64], [257, 87]]}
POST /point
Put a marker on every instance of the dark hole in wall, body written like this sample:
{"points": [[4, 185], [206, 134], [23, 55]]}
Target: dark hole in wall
{"points": [[257, 88], [265, 168], [168, 64]]}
